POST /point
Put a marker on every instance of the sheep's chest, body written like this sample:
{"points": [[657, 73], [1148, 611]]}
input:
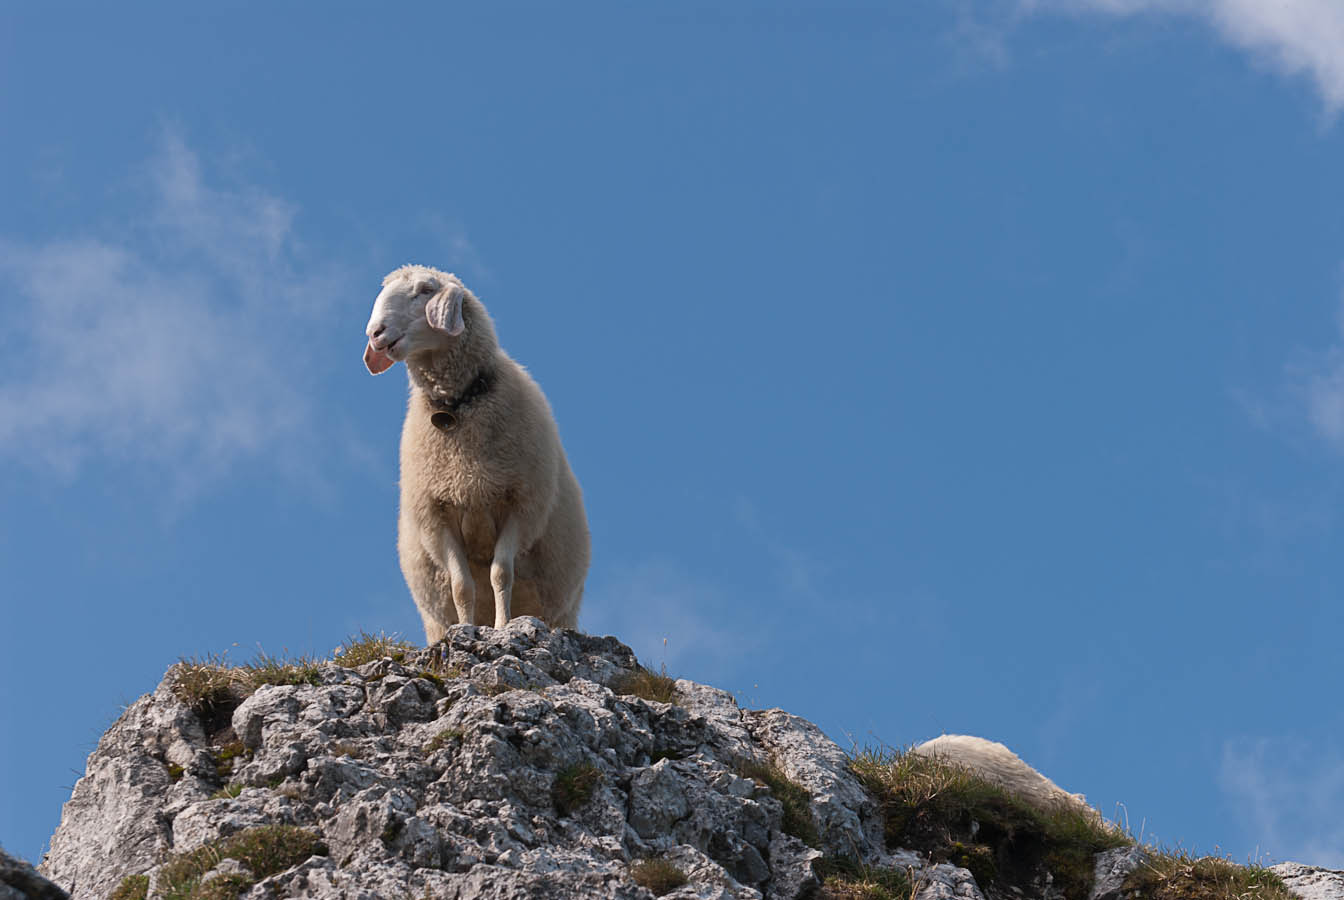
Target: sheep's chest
{"points": [[455, 483]]}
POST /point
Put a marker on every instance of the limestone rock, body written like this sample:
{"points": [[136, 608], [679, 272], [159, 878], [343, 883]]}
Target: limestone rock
{"points": [[946, 882], [1111, 868], [1311, 882], [495, 764]]}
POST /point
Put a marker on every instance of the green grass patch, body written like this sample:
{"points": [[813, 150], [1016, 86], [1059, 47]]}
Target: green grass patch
{"points": [[175, 771], [365, 648], [955, 816], [657, 875], [797, 802], [844, 879], [432, 677], [574, 787], [226, 757], [264, 850], [442, 739], [132, 887], [647, 684], [1179, 876], [223, 887], [227, 792]]}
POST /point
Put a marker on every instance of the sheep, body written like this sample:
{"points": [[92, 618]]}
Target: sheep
{"points": [[487, 494], [1003, 768]]}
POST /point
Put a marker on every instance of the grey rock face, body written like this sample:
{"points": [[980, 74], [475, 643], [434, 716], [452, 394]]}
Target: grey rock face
{"points": [[946, 882], [1311, 882], [497, 764], [20, 881], [461, 786], [1111, 868]]}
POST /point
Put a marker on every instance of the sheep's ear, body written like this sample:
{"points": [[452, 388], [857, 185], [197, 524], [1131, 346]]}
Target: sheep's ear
{"points": [[444, 309]]}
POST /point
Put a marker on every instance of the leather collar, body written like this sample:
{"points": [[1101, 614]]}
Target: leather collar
{"points": [[447, 415]]}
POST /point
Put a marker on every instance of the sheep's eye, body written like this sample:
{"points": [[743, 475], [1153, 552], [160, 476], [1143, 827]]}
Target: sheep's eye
{"points": [[425, 289]]}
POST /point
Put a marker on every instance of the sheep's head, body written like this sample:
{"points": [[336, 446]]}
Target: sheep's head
{"points": [[418, 309]]}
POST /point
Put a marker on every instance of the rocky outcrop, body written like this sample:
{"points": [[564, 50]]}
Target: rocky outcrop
{"points": [[20, 881], [510, 763], [1311, 882], [499, 763]]}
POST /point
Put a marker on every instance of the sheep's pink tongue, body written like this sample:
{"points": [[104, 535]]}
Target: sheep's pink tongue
{"points": [[377, 361]]}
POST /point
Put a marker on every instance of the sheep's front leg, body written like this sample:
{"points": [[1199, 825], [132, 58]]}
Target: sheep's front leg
{"points": [[453, 557], [501, 569]]}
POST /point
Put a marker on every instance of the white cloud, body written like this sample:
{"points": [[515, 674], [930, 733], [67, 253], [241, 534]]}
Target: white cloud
{"points": [[1296, 37], [1287, 794], [171, 344]]}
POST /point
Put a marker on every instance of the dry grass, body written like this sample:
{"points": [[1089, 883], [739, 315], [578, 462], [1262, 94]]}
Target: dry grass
{"points": [[1176, 875], [957, 817], [365, 647], [657, 875], [574, 787], [843, 879], [213, 688], [264, 850], [647, 684], [132, 887]]}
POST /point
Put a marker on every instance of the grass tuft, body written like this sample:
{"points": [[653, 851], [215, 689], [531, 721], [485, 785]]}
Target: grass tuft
{"points": [[207, 684], [365, 648], [797, 802], [267, 669], [264, 850], [955, 816], [226, 758], [1176, 875], [132, 887], [213, 688], [175, 771], [647, 684], [442, 739], [657, 875], [844, 879], [227, 792], [574, 786]]}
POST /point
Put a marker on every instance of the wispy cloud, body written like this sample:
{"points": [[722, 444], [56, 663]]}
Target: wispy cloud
{"points": [[1312, 396], [1295, 37], [668, 616], [1323, 393], [172, 343], [1287, 793]]}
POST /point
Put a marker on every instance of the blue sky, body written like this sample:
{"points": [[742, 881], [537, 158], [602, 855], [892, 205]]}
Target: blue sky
{"points": [[969, 366]]}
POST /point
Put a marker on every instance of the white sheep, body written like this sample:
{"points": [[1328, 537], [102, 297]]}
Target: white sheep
{"points": [[487, 495], [1002, 767]]}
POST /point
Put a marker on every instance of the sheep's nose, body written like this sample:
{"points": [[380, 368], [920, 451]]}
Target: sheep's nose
{"points": [[377, 331]]}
